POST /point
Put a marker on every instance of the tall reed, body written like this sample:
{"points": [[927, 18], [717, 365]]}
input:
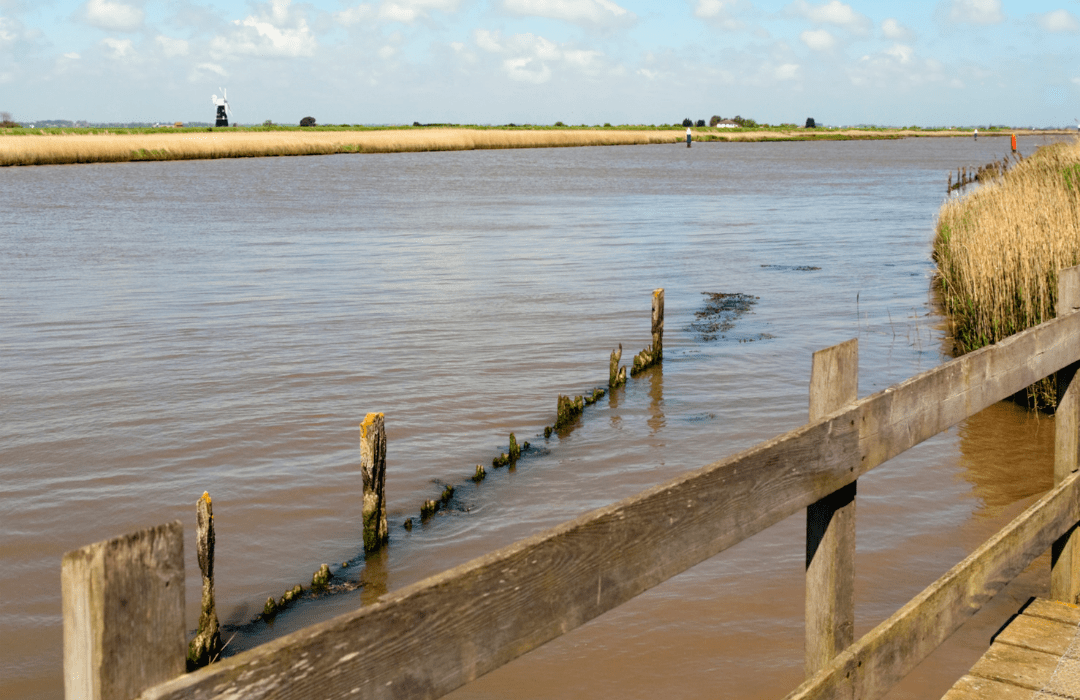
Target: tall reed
{"points": [[224, 143], [999, 248]]}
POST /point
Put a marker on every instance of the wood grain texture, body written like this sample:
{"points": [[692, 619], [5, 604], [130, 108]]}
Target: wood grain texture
{"points": [[975, 688], [871, 666], [1018, 666], [373, 474], [123, 608], [1054, 610], [830, 522], [1065, 554], [434, 636], [1038, 634]]}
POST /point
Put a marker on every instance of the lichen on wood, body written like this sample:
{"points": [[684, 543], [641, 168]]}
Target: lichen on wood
{"points": [[206, 646], [373, 473]]}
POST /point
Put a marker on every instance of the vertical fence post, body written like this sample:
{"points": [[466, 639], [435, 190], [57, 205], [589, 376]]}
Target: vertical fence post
{"points": [[1065, 553], [123, 608], [373, 472], [830, 523]]}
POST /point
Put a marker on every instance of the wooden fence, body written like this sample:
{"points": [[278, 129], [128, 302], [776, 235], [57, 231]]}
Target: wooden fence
{"points": [[441, 633]]}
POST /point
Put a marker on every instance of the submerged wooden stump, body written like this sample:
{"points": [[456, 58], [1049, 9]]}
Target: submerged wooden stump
{"points": [[206, 645], [616, 374], [373, 472], [653, 354]]}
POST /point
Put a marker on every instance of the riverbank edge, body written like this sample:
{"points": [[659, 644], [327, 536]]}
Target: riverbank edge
{"points": [[53, 148]]}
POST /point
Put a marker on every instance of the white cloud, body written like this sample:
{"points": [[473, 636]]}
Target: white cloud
{"points": [[593, 12], [113, 16], [719, 13], [521, 70], [530, 58], [8, 33], [892, 29], [1059, 21], [408, 11], [787, 71], [172, 47], [205, 71], [354, 15], [836, 13], [281, 33], [818, 40], [488, 41], [119, 48], [900, 52], [387, 52], [976, 11], [72, 56]]}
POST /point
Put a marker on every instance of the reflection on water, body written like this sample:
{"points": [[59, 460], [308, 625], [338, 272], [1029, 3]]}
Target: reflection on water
{"points": [[655, 378], [1007, 453]]}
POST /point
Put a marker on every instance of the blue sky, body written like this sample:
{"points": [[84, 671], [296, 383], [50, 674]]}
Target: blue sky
{"points": [[953, 62]]}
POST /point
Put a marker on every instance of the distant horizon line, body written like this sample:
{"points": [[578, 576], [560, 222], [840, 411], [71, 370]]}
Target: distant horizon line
{"points": [[81, 123]]}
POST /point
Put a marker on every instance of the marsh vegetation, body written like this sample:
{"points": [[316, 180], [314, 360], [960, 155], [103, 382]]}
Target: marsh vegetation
{"points": [[998, 250]]}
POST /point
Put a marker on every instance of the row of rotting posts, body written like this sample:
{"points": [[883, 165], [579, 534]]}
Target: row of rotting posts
{"points": [[83, 570], [991, 171]]}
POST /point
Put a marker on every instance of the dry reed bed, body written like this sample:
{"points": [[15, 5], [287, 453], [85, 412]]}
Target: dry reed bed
{"points": [[999, 248], [54, 149], [96, 148]]}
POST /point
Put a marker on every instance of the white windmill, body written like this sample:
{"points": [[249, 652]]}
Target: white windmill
{"points": [[223, 109], [1077, 124]]}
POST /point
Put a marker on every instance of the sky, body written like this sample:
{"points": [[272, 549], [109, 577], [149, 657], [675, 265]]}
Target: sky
{"points": [[952, 62]]}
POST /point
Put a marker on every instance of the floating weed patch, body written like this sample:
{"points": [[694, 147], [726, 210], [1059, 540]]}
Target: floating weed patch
{"points": [[794, 268], [719, 313]]}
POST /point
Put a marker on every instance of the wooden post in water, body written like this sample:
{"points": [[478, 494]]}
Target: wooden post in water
{"points": [[1065, 553], [830, 522], [206, 645], [373, 472], [658, 324], [123, 608], [653, 354]]}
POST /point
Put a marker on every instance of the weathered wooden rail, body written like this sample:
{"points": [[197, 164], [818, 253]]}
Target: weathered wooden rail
{"points": [[437, 635]]}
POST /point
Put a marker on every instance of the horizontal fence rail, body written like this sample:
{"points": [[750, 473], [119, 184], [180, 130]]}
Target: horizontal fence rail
{"points": [[437, 635]]}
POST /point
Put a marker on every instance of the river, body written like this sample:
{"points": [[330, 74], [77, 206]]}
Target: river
{"points": [[169, 328]]}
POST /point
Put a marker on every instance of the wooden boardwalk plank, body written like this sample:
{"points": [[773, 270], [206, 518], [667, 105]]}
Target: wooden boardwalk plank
{"points": [[1026, 668], [975, 688], [1025, 656]]}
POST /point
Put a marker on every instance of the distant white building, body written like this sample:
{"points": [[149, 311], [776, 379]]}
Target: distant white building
{"points": [[727, 124]]}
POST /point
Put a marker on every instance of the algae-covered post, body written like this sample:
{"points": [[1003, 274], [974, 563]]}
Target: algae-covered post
{"points": [[123, 608], [1065, 554], [616, 374], [653, 354], [373, 472], [830, 522], [206, 645]]}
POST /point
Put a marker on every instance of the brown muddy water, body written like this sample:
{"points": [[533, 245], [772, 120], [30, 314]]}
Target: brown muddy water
{"points": [[170, 328]]}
